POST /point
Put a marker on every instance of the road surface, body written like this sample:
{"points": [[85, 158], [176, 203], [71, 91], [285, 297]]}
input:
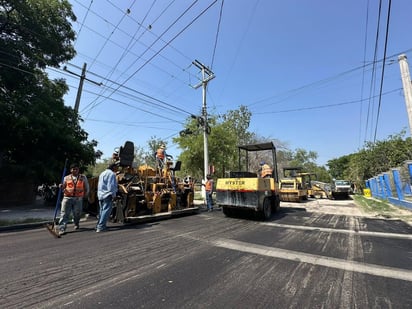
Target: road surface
{"points": [[319, 254]]}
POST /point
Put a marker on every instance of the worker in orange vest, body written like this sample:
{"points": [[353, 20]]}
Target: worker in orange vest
{"points": [[75, 187], [265, 170], [160, 156], [209, 192]]}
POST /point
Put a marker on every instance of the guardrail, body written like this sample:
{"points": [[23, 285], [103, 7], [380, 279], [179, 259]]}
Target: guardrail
{"points": [[393, 186]]}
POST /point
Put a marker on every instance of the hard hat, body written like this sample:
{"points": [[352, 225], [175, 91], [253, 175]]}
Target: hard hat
{"points": [[163, 146], [262, 162]]}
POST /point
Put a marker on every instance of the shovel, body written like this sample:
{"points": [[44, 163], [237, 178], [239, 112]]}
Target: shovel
{"points": [[50, 227]]}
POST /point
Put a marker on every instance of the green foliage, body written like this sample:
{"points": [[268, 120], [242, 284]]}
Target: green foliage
{"points": [[39, 131], [148, 157], [142, 157], [373, 159], [368, 205], [96, 169], [35, 34], [227, 132], [303, 158], [322, 174], [339, 166]]}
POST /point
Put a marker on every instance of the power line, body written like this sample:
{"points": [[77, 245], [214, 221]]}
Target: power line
{"points": [[84, 20], [374, 72], [383, 68], [295, 91], [146, 98], [363, 72], [111, 33], [165, 105], [323, 106], [161, 49], [217, 34], [127, 33]]}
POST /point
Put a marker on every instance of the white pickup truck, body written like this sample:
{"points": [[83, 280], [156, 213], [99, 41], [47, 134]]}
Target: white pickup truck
{"points": [[341, 188]]}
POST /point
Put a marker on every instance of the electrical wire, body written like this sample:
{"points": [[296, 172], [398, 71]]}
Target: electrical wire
{"points": [[146, 98], [383, 68], [95, 103], [374, 72], [83, 21], [363, 73], [160, 50], [296, 91], [217, 34], [111, 33], [323, 106], [127, 33]]}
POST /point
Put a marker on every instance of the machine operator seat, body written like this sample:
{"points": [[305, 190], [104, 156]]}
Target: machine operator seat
{"points": [[126, 154], [176, 167]]}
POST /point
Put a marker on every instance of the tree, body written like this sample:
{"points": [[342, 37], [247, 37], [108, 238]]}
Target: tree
{"points": [[303, 158], [227, 132], [372, 159], [34, 34], [238, 121], [39, 131], [339, 166]]}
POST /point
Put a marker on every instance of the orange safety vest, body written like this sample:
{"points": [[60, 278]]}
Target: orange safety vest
{"points": [[209, 185], [266, 170], [160, 153], [74, 188]]}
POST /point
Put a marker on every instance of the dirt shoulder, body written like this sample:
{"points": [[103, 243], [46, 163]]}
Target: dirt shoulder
{"points": [[355, 207]]}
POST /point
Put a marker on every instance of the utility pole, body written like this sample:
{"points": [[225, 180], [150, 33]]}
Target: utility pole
{"points": [[80, 89], [407, 87], [207, 75]]}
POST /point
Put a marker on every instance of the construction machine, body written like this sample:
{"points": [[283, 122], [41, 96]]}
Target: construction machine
{"points": [[245, 190], [295, 184], [318, 189], [146, 193]]}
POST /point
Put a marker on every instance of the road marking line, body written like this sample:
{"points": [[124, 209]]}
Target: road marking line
{"points": [[371, 269], [331, 230]]}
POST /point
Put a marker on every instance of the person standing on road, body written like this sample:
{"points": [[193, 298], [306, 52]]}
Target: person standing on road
{"points": [[106, 193], [75, 187], [209, 192]]}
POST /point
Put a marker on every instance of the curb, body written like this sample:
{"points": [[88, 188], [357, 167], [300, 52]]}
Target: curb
{"points": [[32, 225], [23, 226]]}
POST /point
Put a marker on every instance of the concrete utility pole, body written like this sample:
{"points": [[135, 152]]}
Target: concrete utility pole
{"points": [[80, 89], [407, 87], [207, 75]]}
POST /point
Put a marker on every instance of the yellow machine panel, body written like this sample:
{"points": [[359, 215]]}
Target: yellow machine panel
{"points": [[245, 190], [247, 184]]}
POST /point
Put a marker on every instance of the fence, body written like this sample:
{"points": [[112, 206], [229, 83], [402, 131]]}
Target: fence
{"points": [[394, 185]]}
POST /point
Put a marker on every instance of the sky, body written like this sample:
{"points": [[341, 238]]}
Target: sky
{"points": [[311, 72]]}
